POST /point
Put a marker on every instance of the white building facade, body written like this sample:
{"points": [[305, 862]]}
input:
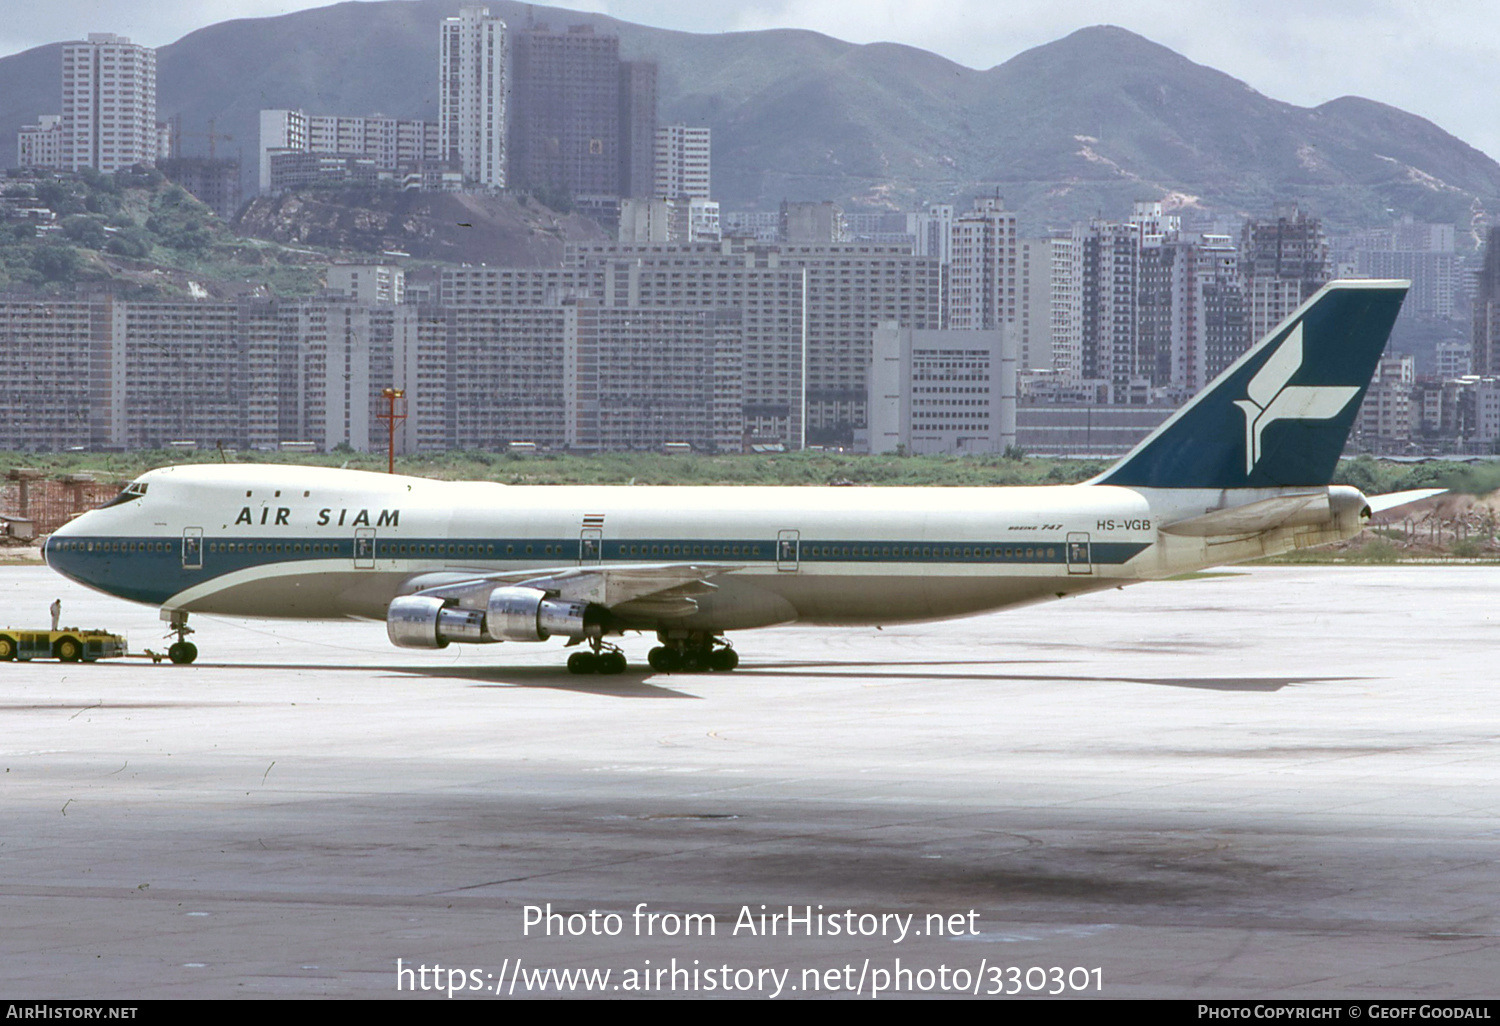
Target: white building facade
{"points": [[942, 391], [109, 104], [472, 115], [683, 167], [389, 143], [40, 145]]}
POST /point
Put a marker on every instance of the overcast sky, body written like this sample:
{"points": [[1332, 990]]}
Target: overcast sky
{"points": [[1435, 58]]}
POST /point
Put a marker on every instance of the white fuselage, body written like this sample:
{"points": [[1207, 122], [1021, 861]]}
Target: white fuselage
{"points": [[281, 541]]}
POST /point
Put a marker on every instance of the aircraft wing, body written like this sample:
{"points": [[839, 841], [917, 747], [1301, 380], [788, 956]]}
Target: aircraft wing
{"points": [[656, 588]]}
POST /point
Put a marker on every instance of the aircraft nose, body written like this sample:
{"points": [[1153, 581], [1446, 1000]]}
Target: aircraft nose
{"points": [[53, 545]]}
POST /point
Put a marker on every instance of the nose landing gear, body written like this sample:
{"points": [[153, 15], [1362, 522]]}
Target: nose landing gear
{"points": [[182, 651]]}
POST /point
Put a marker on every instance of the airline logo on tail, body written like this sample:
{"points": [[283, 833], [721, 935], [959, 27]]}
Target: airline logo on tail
{"points": [[1269, 398]]}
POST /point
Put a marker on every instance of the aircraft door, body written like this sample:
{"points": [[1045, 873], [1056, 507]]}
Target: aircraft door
{"points": [[364, 548], [788, 550], [1080, 553], [192, 548], [590, 546]]}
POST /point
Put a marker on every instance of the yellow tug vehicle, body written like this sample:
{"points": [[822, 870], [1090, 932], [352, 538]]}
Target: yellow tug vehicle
{"points": [[67, 644]]}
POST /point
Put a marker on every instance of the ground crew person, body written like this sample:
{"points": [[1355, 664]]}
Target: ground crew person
{"points": [[56, 612]]}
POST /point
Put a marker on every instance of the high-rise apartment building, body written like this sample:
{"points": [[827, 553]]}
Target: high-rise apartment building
{"points": [[473, 112], [1485, 355], [1284, 260], [40, 145], [1420, 252], [388, 144], [109, 104], [682, 162], [1454, 359], [1095, 334], [637, 128], [566, 111], [982, 288], [371, 284], [1191, 312], [811, 223], [1034, 313], [574, 373], [682, 219], [1067, 309], [808, 312], [768, 293], [1219, 317]]}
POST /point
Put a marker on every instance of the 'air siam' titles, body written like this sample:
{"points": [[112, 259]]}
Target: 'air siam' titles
{"points": [[327, 517]]}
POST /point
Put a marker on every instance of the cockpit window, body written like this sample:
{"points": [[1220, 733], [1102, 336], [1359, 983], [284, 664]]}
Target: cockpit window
{"points": [[134, 490]]}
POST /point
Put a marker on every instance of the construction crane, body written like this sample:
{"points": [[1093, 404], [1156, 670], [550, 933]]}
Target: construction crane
{"points": [[213, 137]]}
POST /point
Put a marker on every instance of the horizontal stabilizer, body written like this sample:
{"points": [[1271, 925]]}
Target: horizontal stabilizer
{"points": [[1390, 500], [1252, 518]]}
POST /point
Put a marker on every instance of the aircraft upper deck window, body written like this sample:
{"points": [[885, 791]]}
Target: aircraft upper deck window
{"points": [[134, 490]]}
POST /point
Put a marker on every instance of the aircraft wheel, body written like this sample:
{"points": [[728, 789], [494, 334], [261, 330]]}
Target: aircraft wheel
{"points": [[583, 662], [725, 659], [612, 662], [182, 652], [7, 648], [68, 650], [693, 662], [662, 658]]}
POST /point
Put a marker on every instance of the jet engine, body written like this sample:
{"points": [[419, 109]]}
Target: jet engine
{"points": [[511, 613], [527, 614], [417, 621]]}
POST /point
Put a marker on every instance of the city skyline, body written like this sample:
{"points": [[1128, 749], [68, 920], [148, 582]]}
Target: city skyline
{"points": [[1426, 60]]}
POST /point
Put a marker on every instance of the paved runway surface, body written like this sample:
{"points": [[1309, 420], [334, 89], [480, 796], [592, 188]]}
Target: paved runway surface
{"points": [[1280, 783]]}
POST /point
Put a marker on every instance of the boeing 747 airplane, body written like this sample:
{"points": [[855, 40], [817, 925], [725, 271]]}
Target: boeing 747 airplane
{"points": [[1241, 471]]}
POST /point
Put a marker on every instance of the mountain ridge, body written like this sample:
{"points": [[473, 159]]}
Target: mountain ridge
{"points": [[1083, 124]]}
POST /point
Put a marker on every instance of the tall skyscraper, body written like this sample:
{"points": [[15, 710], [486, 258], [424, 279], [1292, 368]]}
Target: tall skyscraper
{"points": [[1034, 316], [1191, 313], [1095, 288], [1284, 259], [565, 129], [109, 104], [472, 95], [982, 281], [637, 128], [1486, 340]]}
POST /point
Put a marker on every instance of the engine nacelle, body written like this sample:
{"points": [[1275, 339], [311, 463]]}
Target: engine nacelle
{"points": [[417, 621], [527, 614]]}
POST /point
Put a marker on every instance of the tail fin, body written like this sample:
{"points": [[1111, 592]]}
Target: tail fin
{"points": [[1280, 415]]}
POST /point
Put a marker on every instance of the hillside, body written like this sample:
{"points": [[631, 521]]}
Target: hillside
{"points": [[1086, 123], [426, 226], [144, 236]]}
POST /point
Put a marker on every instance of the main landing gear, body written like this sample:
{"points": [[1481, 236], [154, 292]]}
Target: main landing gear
{"points": [[182, 651], [602, 658], [692, 652], [679, 652]]}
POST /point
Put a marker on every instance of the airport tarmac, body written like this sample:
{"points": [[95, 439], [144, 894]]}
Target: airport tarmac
{"points": [[1281, 783]]}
